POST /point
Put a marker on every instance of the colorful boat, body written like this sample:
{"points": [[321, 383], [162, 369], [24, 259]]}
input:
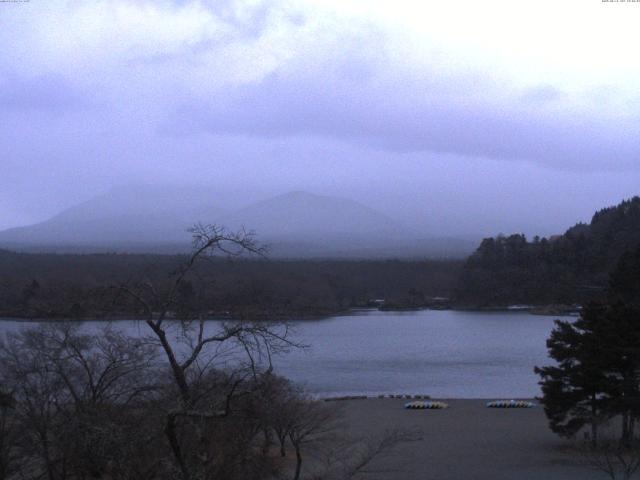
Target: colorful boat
{"points": [[510, 404], [422, 405]]}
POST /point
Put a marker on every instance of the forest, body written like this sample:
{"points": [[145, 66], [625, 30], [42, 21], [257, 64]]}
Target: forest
{"points": [[568, 269], [81, 286]]}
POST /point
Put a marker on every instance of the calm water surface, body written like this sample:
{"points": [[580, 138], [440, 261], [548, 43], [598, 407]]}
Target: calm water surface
{"points": [[450, 354]]}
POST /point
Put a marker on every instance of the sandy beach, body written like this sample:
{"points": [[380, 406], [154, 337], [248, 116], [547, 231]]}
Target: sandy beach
{"points": [[468, 441]]}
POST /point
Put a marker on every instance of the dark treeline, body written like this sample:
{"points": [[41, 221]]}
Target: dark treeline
{"points": [[594, 384], [567, 269], [75, 286]]}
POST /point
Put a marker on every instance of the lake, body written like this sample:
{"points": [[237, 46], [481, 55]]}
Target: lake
{"points": [[446, 354]]}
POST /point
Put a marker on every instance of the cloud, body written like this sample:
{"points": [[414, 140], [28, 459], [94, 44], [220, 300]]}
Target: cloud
{"points": [[287, 94], [539, 125], [283, 69], [542, 94], [47, 92]]}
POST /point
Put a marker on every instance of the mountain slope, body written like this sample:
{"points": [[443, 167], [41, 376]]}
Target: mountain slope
{"points": [[304, 215], [143, 217], [295, 225], [570, 268], [124, 216]]}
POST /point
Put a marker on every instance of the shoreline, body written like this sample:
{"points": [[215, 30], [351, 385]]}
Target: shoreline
{"points": [[548, 310], [348, 398]]}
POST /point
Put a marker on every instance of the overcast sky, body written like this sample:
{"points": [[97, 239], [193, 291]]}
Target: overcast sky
{"points": [[461, 117]]}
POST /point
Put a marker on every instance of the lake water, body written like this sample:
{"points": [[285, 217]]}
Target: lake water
{"points": [[447, 354]]}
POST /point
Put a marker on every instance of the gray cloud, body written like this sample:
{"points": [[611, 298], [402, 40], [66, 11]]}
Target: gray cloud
{"points": [[428, 119], [257, 99], [52, 92]]}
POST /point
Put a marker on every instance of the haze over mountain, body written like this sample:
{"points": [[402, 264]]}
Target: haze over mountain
{"points": [[302, 214], [295, 224], [125, 216]]}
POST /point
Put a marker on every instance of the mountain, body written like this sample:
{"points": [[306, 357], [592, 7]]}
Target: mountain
{"points": [[302, 215], [296, 225], [304, 225], [121, 218], [563, 269]]}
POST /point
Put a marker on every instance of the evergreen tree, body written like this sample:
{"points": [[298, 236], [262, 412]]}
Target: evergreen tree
{"points": [[575, 391], [563, 269], [597, 375], [625, 279]]}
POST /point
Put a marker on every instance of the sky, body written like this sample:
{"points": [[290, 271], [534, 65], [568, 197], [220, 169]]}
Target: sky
{"points": [[457, 118]]}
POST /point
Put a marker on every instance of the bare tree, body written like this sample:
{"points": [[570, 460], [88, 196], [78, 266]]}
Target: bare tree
{"points": [[618, 460], [190, 399], [70, 391], [9, 434], [311, 422], [95, 406], [366, 451], [278, 403], [190, 348]]}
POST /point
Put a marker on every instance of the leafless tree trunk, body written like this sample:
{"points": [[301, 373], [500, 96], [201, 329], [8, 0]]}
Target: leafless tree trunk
{"points": [[311, 423], [9, 464], [616, 459], [351, 458], [255, 339], [68, 387]]}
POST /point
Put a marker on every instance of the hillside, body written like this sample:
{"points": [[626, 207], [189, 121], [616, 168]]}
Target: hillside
{"points": [[305, 215], [564, 270], [123, 218], [294, 225]]}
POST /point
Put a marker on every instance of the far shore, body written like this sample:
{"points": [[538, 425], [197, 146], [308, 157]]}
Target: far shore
{"points": [[546, 310]]}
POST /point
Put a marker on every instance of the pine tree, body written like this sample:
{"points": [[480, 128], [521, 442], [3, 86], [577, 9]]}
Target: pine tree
{"points": [[575, 391], [597, 376]]}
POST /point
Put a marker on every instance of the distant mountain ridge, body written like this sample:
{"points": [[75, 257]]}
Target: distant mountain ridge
{"points": [[123, 216], [299, 213], [295, 224]]}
